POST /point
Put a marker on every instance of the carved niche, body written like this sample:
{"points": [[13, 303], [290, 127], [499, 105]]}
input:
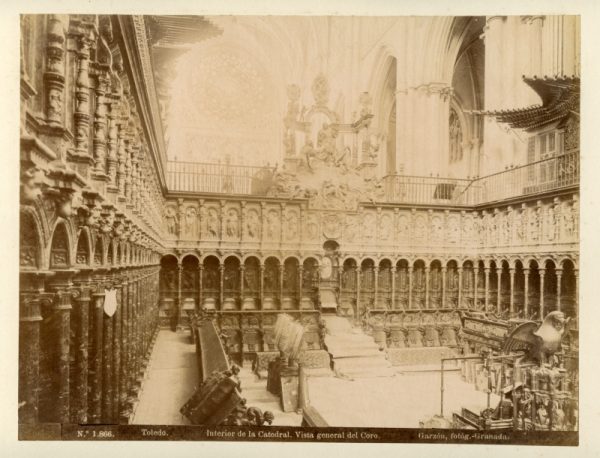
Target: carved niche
{"points": [[291, 222], [212, 223], [171, 220], [252, 224], [232, 224], [191, 226]]}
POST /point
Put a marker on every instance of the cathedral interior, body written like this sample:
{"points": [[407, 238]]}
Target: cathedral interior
{"points": [[335, 221]]}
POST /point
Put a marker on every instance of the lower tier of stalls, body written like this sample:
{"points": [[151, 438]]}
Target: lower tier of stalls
{"points": [[404, 303], [85, 339]]}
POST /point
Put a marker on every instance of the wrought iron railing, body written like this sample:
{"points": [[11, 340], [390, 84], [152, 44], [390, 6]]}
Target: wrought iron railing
{"points": [[218, 178], [427, 190], [535, 178], [546, 175]]}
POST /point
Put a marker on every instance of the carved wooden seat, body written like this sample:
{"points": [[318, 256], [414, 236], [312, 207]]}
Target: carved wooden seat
{"points": [[229, 304], [269, 304]]}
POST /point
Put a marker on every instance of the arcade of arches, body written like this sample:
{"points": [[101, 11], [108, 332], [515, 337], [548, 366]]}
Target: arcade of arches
{"points": [[119, 240]]}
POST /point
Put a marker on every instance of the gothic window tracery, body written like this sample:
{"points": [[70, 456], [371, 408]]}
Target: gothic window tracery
{"points": [[456, 136]]}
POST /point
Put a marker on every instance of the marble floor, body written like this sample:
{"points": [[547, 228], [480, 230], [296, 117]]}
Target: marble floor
{"points": [[172, 375], [401, 401], [170, 380]]}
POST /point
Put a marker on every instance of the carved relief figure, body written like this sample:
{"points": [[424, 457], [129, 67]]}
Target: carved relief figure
{"points": [[520, 226], [420, 226], [231, 225], [368, 229], [272, 225], [534, 224], [385, 227], [212, 223], [171, 220], [436, 228], [191, 222], [252, 224], [291, 225], [312, 227], [453, 229], [403, 227]]}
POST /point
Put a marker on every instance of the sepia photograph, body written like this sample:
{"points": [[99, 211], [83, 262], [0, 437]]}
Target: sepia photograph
{"points": [[301, 228]]}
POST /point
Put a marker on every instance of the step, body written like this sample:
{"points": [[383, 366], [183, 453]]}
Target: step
{"points": [[370, 373], [357, 365], [346, 352]]}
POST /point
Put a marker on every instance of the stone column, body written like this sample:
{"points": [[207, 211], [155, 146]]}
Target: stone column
{"points": [[460, 286], [376, 289], [499, 292], [100, 127], [444, 304], [512, 291], [475, 286], [241, 283], [29, 355], [80, 316], [526, 293], [558, 288], [487, 287], [300, 273], [96, 332], [576, 274], [117, 342], [125, 343], [179, 305], [410, 283], [54, 75], [107, 368], [358, 294], [200, 286], [280, 284], [427, 287], [262, 284], [61, 286], [221, 283], [393, 287], [542, 308]]}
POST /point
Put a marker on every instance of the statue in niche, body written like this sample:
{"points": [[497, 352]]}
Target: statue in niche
{"points": [[171, 219], [252, 224], [272, 226], [456, 137], [212, 223], [191, 222], [231, 224]]}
